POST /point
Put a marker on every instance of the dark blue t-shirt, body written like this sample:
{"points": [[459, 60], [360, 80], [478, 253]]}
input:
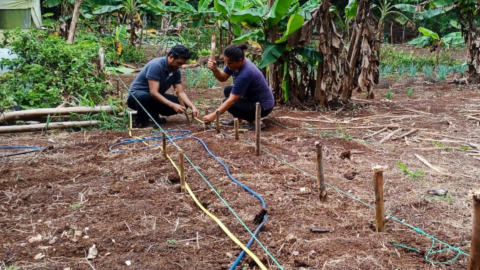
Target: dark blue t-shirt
{"points": [[250, 84], [156, 70]]}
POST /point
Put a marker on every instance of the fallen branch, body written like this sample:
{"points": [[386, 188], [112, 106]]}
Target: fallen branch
{"points": [[406, 134], [435, 168], [27, 114], [54, 125], [386, 138]]}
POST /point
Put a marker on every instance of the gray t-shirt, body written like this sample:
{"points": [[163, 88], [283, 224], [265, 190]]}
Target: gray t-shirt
{"points": [[249, 83], [156, 70]]}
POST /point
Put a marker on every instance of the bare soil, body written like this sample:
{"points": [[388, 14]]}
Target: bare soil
{"points": [[77, 193]]}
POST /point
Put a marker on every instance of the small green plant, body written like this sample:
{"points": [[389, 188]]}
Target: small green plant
{"points": [[446, 198], [464, 148], [133, 55], [412, 174], [385, 71], [439, 145], [412, 70], [341, 133], [76, 206], [326, 134], [410, 93], [402, 70], [427, 70], [219, 190], [442, 72], [172, 241], [204, 52], [70, 231], [389, 94], [12, 267], [200, 78]]}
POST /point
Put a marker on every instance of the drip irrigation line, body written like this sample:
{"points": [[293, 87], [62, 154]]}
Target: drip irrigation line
{"points": [[416, 229], [182, 137], [33, 149], [171, 139]]}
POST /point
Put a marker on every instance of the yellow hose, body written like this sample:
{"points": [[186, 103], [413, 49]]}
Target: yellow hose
{"points": [[222, 226]]}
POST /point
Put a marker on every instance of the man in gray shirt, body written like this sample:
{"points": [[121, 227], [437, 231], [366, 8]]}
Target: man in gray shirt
{"points": [[150, 87]]}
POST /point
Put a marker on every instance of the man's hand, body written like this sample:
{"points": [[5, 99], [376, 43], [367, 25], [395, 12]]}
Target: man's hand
{"points": [[212, 65], [209, 118], [195, 112], [178, 108]]}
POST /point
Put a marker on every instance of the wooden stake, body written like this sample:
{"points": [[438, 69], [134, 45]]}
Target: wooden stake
{"points": [[257, 129], [164, 144], [235, 124], [322, 191], [73, 23], [217, 119], [474, 260], [379, 209], [182, 171], [183, 104]]}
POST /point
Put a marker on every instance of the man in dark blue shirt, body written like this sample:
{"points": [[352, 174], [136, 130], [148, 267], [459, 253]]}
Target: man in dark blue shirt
{"points": [[249, 87], [150, 87]]}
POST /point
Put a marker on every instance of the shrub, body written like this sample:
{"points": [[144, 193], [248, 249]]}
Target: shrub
{"points": [[47, 68]]}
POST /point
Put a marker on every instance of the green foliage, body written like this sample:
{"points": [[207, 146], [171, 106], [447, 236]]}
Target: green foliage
{"points": [[132, 55], [389, 94], [412, 174], [391, 56], [47, 69], [204, 52], [385, 71], [442, 72], [437, 144], [12, 267], [427, 70], [410, 93], [446, 198], [76, 206], [412, 72], [200, 78], [172, 241]]}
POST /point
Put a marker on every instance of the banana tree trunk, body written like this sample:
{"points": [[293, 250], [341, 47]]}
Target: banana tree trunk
{"points": [[381, 25], [363, 54], [273, 69], [330, 72], [473, 50]]}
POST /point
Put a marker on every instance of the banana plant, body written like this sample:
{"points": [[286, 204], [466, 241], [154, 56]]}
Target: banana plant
{"points": [[386, 8], [433, 40], [467, 12]]}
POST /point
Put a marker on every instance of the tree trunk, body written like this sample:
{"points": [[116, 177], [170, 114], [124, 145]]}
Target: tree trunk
{"points": [[363, 55], [273, 69], [472, 36], [229, 40], [380, 34], [330, 75], [73, 24], [220, 39]]}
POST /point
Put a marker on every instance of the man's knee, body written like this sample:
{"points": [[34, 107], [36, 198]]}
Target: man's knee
{"points": [[227, 91]]}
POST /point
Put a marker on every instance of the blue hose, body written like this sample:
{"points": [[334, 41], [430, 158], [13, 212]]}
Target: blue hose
{"points": [[33, 149], [182, 137]]}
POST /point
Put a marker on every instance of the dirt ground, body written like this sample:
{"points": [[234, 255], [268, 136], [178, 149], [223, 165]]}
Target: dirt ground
{"points": [[57, 203]]}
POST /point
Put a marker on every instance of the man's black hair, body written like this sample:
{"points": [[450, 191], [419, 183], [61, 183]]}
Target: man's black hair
{"points": [[235, 52], [180, 51]]}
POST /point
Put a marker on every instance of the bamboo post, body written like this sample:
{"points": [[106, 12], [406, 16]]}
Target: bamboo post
{"points": [[217, 119], [164, 144], [257, 128], [47, 126], [183, 104], [182, 171], [322, 191], [34, 113], [474, 260], [73, 23], [235, 124], [379, 208]]}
